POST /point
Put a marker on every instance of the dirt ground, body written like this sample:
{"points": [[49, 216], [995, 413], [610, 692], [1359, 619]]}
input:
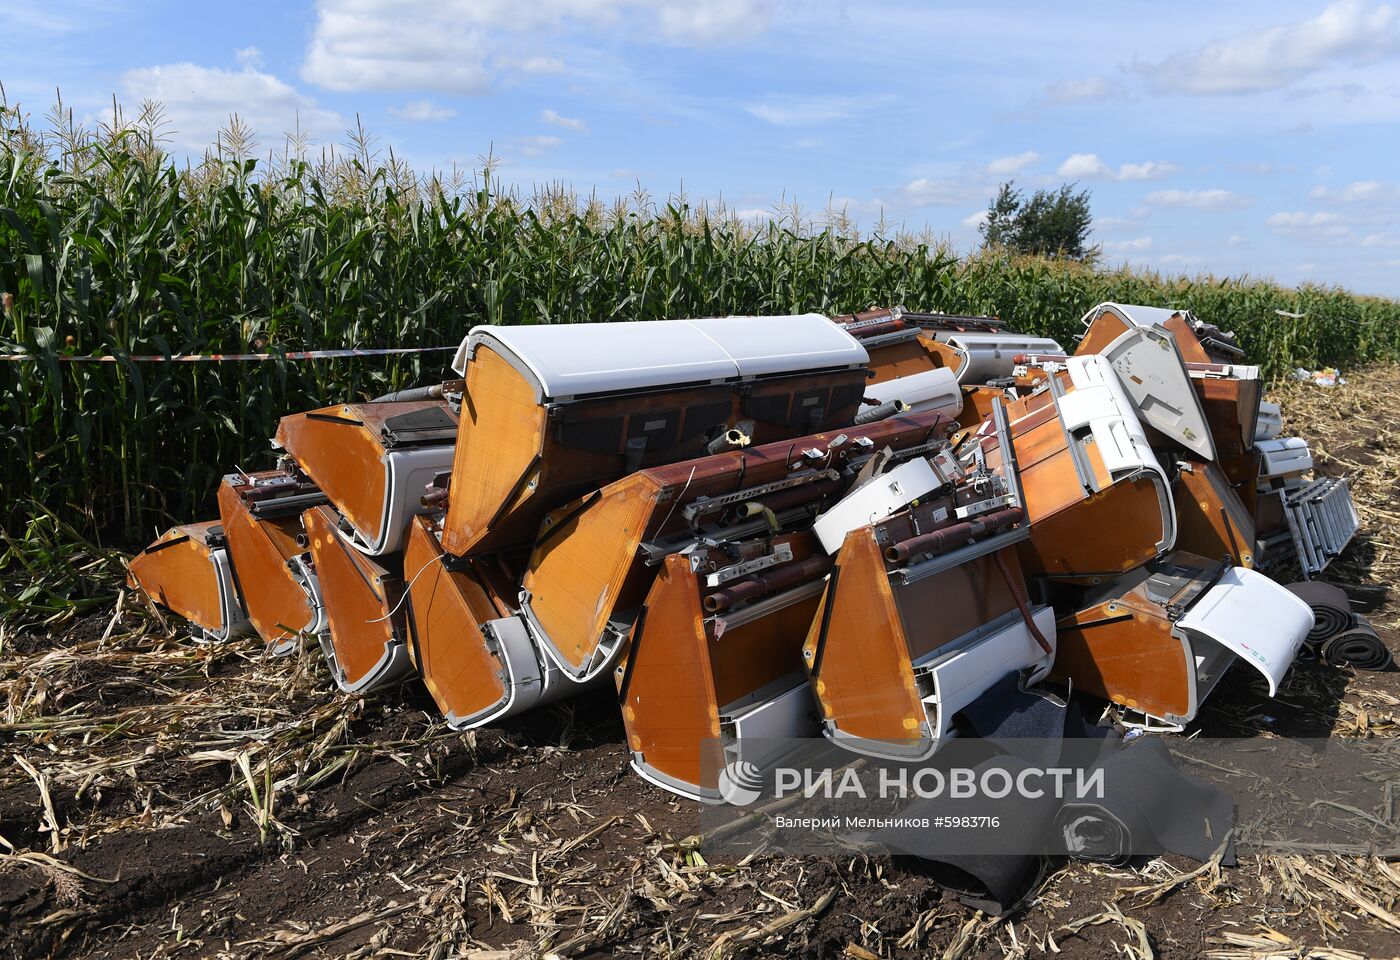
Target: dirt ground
{"points": [[162, 798]]}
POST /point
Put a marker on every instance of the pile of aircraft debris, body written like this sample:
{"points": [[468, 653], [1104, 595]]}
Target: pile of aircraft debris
{"points": [[787, 526]]}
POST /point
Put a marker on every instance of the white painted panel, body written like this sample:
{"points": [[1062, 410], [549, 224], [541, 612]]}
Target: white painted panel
{"points": [[1283, 456], [992, 356], [1136, 314], [1253, 617], [969, 673], [888, 493], [930, 390], [1270, 422], [761, 346], [580, 359], [1152, 373], [573, 359]]}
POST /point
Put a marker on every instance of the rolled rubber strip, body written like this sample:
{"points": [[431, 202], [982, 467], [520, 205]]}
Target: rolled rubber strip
{"points": [[1358, 646], [1148, 807], [989, 872], [1330, 606]]}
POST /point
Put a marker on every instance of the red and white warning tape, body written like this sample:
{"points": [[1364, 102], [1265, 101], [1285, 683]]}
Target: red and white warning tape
{"points": [[221, 357]]}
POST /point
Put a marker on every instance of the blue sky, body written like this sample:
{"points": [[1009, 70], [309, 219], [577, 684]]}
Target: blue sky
{"points": [[1229, 138]]}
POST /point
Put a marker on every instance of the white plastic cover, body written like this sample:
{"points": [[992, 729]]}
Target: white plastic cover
{"points": [[883, 495], [1283, 457], [529, 681], [991, 356], [761, 346], [407, 472], [1135, 314], [970, 672], [568, 360], [930, 390], [1099, 402], [1254, 618], [1270, 422], [233, 620], [1151, 371]]}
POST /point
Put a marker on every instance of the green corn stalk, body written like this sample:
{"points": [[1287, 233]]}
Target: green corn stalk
{"points": [[108, 246]]}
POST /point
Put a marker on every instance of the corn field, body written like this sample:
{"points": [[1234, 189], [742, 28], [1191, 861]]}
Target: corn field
{"points": [[109, 246]]}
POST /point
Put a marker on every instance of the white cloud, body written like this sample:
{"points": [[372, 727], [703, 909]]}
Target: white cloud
{"points": [[854, 206], [1089, 166], [1346, 32], [199, 100], [1136, 245], [1178, 260], [1133, 221], [1234, 240], [1079, 91], [558, 120], [250, 57], [932, 192], [1213, 199], [459, 45], [1290, 221], [974, 221], [1360, 191], [1319, 226], [1150, 170], [713, 21], [1010, 166], [753, 213], [1085, 166], [423, 110], [538, 144], [806, 111], [533, 65], [1380, 240]]}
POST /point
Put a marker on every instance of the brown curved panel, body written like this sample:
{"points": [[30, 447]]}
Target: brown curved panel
{"points": [[500, 434], [1232, 411], [856, 651], [276, 604], [176, 573], [1126, 654], [668, 703], [587, 569], [334, 448], [1186, 340], [1211, 520], [1112, 531], [448, 607], [358, 595], [1103, 330]]}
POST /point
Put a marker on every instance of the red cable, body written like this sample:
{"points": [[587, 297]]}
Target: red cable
{"points": [[1019, 595]]}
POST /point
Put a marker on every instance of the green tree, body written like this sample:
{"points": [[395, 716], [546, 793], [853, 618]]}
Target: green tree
{"points": [[1050, 223]]}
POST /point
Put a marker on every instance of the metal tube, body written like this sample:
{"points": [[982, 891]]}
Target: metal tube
{"points": [[877, 329], [413, 393], [780, 578], [791, 497], [885, 410], [731, 439], [937, 541]]}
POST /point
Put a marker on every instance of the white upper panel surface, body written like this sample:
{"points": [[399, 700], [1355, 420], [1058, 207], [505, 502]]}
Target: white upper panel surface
{"points": [[766, 345], [1258, 620], [578, 359], [1136, 314]]}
